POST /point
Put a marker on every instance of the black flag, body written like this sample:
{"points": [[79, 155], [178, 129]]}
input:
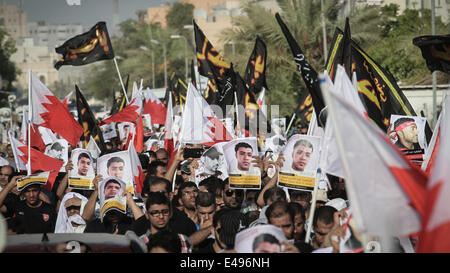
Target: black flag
{"points": [[255, 73], [309, 75], [88, 122], [436, 51], [86, 48]]}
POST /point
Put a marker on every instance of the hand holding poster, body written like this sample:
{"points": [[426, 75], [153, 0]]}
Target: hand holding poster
{"points": [[118, 165], [111, 195], [301, 159], [239, 156], [408, 134], [82, 173]]}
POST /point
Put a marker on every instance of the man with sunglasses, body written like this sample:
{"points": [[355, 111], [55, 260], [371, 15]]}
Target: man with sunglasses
{"points": [[232, 198]]}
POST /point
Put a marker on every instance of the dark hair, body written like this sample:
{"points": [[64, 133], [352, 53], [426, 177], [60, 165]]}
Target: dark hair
{"points": [[154, 165], [156, 198], [278, 209], [242, 144], [274, 193], [184, 185], [114, 159], [112, 181], [265, 237], [400, 121], [85, 155], [151, 180], [151, 154], [303, 142], [296, 208], [212, 184], [56, 146], [167, 240], [302, 195], [205, 199], [144, 160], [325, 214]]}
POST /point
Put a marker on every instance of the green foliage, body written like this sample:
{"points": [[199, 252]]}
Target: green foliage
{"points": [[8, 70], [179, 15]]}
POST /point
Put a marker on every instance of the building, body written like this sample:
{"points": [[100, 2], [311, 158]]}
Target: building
{"points": [[14, 20], [37, 58], [442, 7], [157, 15], [51, 35]]}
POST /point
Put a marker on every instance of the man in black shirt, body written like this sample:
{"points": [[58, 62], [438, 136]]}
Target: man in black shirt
{"points": [[31, 215]]}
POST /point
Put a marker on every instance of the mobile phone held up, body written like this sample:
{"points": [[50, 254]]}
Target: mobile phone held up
{"points": [[192, 153]]}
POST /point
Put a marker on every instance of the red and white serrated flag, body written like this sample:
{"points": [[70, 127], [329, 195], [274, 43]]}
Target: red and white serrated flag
{"points": [[129, 113], [436, 224], [47, 111], [35, 136], [430, 155], [154, 107], [66, 100], [39, 161], [168, 124], [386, 192], [136, 168], [200, 124], [261, 101]]}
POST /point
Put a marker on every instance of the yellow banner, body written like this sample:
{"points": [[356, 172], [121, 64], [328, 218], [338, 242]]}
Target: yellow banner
{"points": [[245, 181], [295, 181], [113, 204], [81, 183], [30, 180]]}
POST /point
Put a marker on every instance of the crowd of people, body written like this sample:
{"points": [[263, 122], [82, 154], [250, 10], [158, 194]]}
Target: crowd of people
{"points": [[176, 213]]}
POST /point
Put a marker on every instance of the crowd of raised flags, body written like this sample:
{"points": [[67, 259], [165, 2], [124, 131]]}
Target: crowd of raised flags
{"points": [[348, 105]]}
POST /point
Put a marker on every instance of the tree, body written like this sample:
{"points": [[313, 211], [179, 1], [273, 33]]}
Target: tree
{"points": [[8, 70]]}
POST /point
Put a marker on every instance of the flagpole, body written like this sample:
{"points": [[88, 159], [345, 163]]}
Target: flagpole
{"points": [[290, 123], [30, 117], [14, 151], [237, 114], [121, 81], [313, 206]]}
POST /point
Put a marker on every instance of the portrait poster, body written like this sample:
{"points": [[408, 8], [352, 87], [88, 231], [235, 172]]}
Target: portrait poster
{"points": [[59, 149], [260, 239], [95, 151], [125, 128], [408, 134], [278, 125], [151, 141], [82, 174], [109, 131], [301, 160], [212, 162], [147, 122], [118, 165], [242, 173], [111, 195], [33, 179]]}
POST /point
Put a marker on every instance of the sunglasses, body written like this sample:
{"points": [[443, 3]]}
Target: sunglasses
{"points": [[229, 193]]}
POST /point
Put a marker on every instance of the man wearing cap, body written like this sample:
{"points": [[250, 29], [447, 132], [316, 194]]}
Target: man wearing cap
{"points": [[408, 135], [212, 160], [31, 215]]}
